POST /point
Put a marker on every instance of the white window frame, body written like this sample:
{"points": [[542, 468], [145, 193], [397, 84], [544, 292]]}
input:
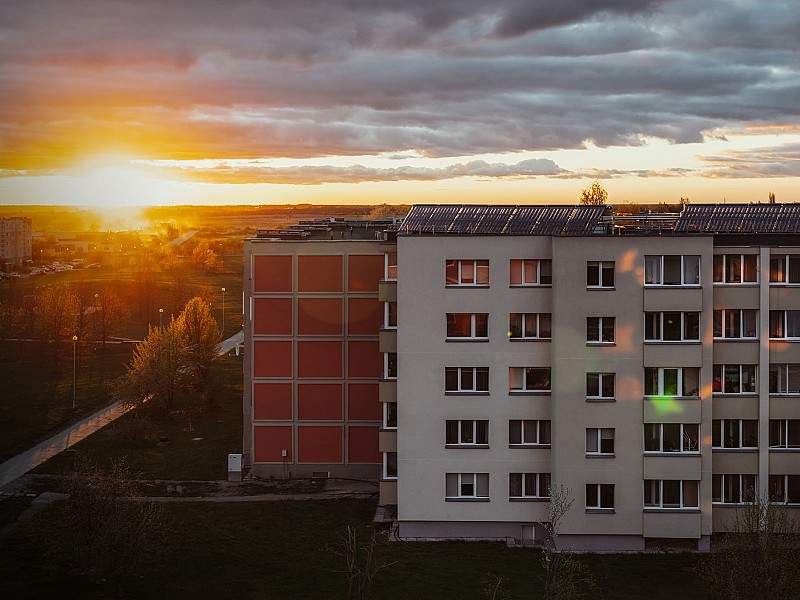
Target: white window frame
{"points": [[719, 429], [385, 421], [473, 327], [785, 485], [461, 390], [787, 276], [386, 465], [656, 270], [594, 439], [685, 445], [598, 491], [389, 269], [784, 318], [476, 264], [680, 382], [601, 323], [520, 263], [525, 320], [720, 320], [386, 321], [659, 317], [788, 433], [723, 261], [478, 481], [719, 371], [782, 378], [540, 482], [386, 374], [721, 484], [523, 384], [474, 427], [601, 266], [656, 486], [601, 378], [542, 431]]}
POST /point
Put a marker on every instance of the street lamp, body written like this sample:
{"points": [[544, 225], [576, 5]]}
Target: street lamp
{"points": [[160, 317], [74, 340], [223, 311]]}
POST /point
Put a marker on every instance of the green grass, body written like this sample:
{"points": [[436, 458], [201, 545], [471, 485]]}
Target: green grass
{"points": [[282, 550], [182, 456]]}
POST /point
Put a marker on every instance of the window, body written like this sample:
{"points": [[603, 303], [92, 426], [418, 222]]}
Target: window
{"points": [[390, 415], [734, 433], [467, 432], [390, 465], [600, 441], [735, 268], [600, 274], [784, 379], [600, 386], [784, 324], [531, 272], [784, 269], [390, 315], [672, 326], [599, 496], [529, 379], [529, 485], [468, 326], [672, 270], [671, 437], [671, 493], [390, 365], [735, 323], [600, 330], [732, 489], [529, 326], [528, 433], [784, 433], [466, 380], [672, 381], [467, 273], [734, 379], [467, 486], [390, 266], [784, 489]]}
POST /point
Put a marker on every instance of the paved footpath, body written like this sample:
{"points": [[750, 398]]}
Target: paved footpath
{"points": [[22, 463]]}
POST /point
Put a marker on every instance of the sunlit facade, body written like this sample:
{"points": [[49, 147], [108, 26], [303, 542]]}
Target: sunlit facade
{"points": [[15, 241]]}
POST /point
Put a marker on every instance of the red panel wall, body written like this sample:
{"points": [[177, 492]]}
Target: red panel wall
{"points": [[319, 316], [319, 401], [319, 273], [364, 359], [272, 401], [269, 440], [272, 273], [364, 272], [362, 445], [362, 402], [272, 316], [364, 316], [319, 444], [272, 359], [319, 359]]}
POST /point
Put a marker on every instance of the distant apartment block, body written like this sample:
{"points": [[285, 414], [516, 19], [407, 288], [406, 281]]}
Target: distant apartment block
{"points": [[15, 241]]}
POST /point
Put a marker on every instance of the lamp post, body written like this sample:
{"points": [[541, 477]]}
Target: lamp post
{"points": [[223, 312], [160, 317], [74, 341]]}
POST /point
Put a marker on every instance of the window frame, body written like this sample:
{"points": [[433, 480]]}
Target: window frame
{"points": [[788, 431], [543, 430], [786, 488], [600, 493], [782, 379], [684, 445], [788, 277], [722, 273], [785, 325], [523, 326], [602, 329], [389, 416], [389, 269], [657, 485], [459, 373], [387, 464], [524, 389], [679, 382], [720, 440], [462, 479], [478, 265], [601, 397], [540, 272], [720, 323], [659, 325], [601, 276], [660, 270], [720, 374], [475, 326], [542, 485], [387, 315], [720, 488], [389, 373], [466, 429], [595, 436]]}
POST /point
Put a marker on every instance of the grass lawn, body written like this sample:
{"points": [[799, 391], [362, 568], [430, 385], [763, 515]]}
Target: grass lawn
{"points": [[282, 550], [182, 456]]}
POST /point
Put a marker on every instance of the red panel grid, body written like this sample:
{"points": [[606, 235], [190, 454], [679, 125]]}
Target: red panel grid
{"points": [[364, 272], [272, 316], [272, 273], [362, 445], [319, 273], [319, 316], [272, 359], [272, 401], [319, 444], [269, 441], [319, 359], [364, 316], [319, 401], [363, 403], [364, 359]]}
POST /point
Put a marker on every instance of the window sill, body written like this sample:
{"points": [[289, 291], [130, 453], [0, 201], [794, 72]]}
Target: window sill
{"points": [[388, 280], [529, 339], [386, 379], [668, 453], [672, 286], [600, 455], [787, 394], [465, 393], [389, 479], [527, 499], [734, 394], [735, 284], [467, 446], [735, 340], [465, 499], [673, 342], [531, 446], [600, 511], [451, 340], [590, 343], [601, 399], [780, 284], [466, 286], [736, 450], [388, 328], [781, 450], [785, 339], [530, 285], [651, 398], [529, 392], [689, 510], [388, 428], [600, 288]]}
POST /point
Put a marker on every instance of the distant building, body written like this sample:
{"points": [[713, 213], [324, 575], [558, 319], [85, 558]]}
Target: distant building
{"points": [[15, 241]]}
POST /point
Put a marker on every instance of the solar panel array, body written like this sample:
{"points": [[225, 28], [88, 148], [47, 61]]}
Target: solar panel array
{"points": [[470, 219], [740, 218]]}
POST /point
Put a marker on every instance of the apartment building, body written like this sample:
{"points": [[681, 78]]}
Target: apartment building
{"points": [[649, 364], [15, 241]]}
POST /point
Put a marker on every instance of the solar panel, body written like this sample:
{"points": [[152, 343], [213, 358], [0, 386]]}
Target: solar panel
{"points": [[740, 218]]}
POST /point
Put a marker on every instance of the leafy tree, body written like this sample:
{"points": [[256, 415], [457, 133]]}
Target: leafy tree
{"points": [[594, 194], [200, 336], [157, 369]]}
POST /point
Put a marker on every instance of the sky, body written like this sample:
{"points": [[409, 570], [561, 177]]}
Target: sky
{"points": [[138, 102]]}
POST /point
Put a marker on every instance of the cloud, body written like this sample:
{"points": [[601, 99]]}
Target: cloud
{"points": [[777, 161]]}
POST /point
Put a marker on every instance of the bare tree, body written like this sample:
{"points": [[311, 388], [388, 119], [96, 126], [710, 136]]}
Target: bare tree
{"points": [[594, 194], [110, 311], [362, 566]]}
